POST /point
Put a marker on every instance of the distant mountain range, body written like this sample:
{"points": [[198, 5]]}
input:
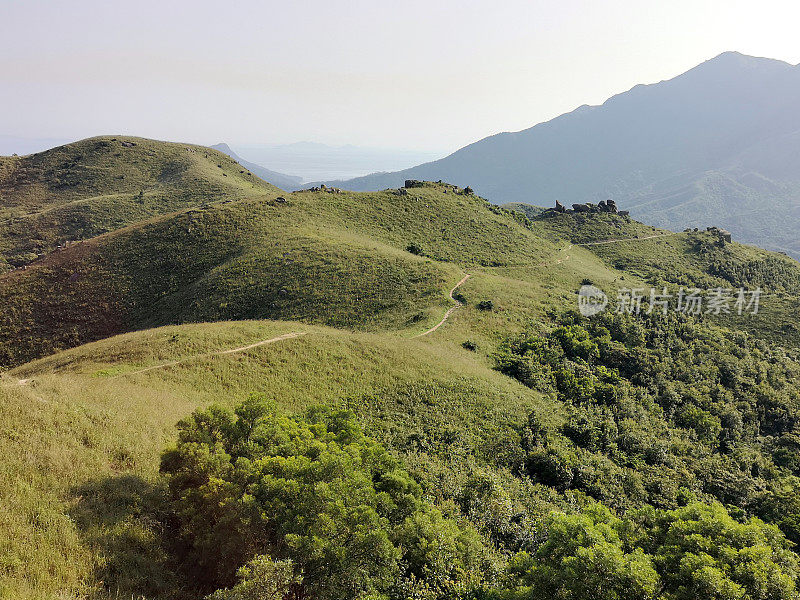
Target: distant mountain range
{"points": [[719, 144], [283, 181]]}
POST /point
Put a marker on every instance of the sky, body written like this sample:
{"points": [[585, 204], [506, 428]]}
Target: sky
{"points": [[423, 75]]}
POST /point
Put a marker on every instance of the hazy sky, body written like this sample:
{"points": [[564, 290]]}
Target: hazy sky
{"points": [[422, 75]]}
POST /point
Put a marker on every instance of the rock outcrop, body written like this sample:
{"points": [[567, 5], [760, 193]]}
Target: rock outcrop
{"points": [[723, 234], [604, 206]]}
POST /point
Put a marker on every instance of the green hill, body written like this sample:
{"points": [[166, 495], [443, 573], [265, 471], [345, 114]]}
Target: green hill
{"points": [[365, 261], [528, 432], [78, 191], [691, 259]]}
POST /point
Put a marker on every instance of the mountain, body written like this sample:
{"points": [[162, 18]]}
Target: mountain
{"points": [[716, 145], [411, 381], [285, 182]]}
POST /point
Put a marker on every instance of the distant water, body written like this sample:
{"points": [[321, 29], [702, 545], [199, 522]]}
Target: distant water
{"points": [[318, 162], [10, 144]]}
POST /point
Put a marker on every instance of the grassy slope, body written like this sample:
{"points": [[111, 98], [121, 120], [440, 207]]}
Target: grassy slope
{"points": [[334, 259], [693, 259], [78, 510], [75, 511], [80, 190]]}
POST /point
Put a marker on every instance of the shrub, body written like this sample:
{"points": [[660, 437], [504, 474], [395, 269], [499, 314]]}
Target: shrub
{"points": [[313, 490], [698, 551], [485, 305]]}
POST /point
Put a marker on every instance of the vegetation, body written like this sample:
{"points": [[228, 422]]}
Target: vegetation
{"points": [[696, 551], [320, 496], [519, 451], [335, 259], [75, 192]]}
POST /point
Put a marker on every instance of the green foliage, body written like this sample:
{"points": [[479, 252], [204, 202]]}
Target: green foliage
{"points": [[659, 404], [700, 551], [414, 249], [261, 579], [315, 491], [697, 551]]}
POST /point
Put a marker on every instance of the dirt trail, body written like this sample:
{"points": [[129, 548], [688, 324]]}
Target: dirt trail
{"points": [[647, 237], [557, 261], [450, 311], [285, 336]]}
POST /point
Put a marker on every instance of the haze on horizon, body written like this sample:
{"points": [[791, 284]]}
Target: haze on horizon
{"points": [[428, 76]]}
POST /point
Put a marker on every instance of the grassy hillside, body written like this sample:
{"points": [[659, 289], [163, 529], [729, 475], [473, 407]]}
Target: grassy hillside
{"points": [[366, 261], [78, 191], [77, 516], [691, 259], [513, 408]]}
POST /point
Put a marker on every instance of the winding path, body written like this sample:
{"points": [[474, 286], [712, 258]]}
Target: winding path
{"points": [[647, 237], [285, 336], [450, 310]]}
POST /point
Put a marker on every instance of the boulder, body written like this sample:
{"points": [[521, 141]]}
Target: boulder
{"points": [[560, 207], [580, 208]]}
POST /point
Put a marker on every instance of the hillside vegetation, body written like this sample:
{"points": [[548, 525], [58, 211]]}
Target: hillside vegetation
{"points": [[366, 261], [78, 191], [234, 400]]}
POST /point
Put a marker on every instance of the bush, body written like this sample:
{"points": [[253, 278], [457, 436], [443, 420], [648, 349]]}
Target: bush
{"points": [[485, 305], [313, 490], [261, 579], [698, 551], [414, 249], [469, 345]]}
